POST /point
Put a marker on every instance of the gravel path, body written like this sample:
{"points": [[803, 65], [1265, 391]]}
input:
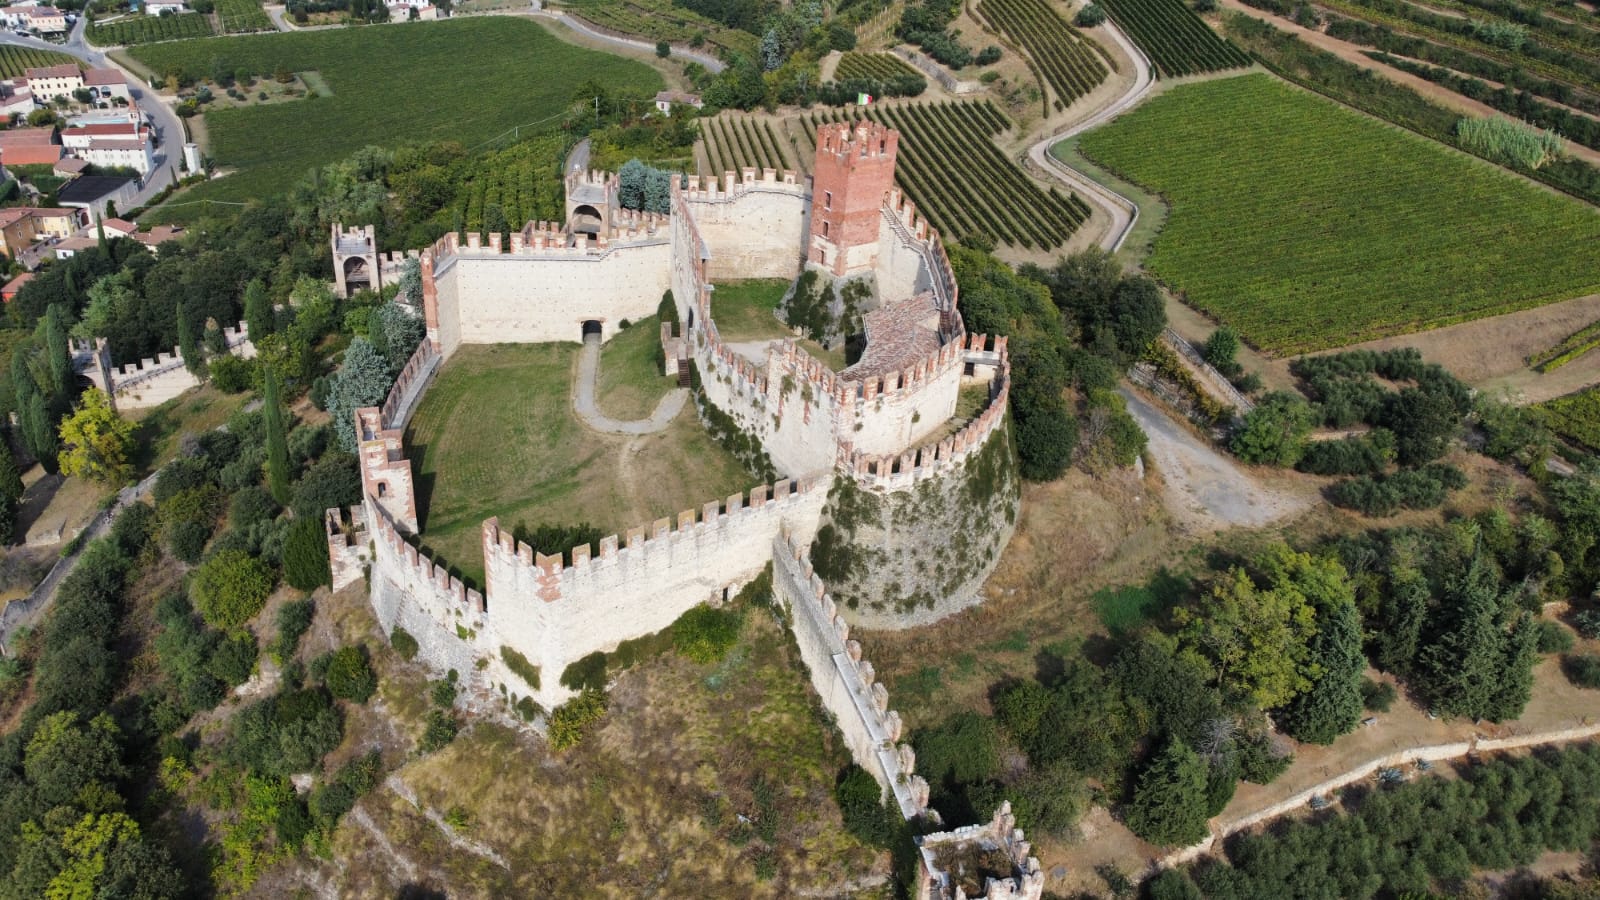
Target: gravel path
{"points": [[1204, 488], [712, 64], [583, 399]]}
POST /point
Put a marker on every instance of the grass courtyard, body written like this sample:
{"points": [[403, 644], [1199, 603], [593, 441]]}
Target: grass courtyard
{"points": [[496, 436], [747, 311], [466, 81], [1307, 226]]}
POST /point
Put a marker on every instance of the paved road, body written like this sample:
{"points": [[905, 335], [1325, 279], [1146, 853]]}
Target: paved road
{"points": [[1124, 212], [583, 399], [168, 129]]}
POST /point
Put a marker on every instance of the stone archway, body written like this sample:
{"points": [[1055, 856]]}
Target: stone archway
{"points": [[587, 220], [592, 326]]}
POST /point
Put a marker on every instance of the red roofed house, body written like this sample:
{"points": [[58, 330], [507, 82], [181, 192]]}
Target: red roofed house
{"points": [[107, 83], [22, 226], [70, 167], [51, 82], [116, 228], [43, 19], [29, 147], [9, 291]]}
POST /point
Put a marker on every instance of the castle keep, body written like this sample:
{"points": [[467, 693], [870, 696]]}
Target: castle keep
{"points": [[869, 456]]}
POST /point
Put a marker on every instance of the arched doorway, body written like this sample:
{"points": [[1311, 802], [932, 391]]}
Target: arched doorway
{"points": [[587, 220], [592, 327], [357, 273]]}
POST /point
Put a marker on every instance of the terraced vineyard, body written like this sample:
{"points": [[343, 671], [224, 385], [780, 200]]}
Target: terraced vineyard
{"points": [[879, 66], [1068, 62], [1176, 40], [660, 20], [242, 16], [735, 141], [1576, 417], [15, 61], [149, 29], [950, 167], [520, 182], [1348, 229]]}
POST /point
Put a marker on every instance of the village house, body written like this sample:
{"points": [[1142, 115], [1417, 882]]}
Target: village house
{"points": [[43, 19], [50, 82], [16, 98], [107, 84], [665, 99], [9, 291], [29, 147], [23, 226]]}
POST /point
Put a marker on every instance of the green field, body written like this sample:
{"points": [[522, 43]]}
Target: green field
{"points": [[14, 61], [496, 436], [1576, 417], [1307, 226], [467, 80]]}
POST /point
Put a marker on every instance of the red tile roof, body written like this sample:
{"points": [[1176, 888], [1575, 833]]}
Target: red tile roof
{"points": [[15, 137], [11, 287], [65, 70], [104, 76]]}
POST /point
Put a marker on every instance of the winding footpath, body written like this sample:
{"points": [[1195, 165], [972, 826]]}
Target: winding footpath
{"points": [[712, 64], [1124, 213], [584, 405]]}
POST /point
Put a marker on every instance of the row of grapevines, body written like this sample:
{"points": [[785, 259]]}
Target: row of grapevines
{"points": [[874, 66], [1576, 417], [243, 16], [1573, 346], [15, 61], [1067, 62], [735, 142], [1177, 41], [149, 29], [513, 187]]}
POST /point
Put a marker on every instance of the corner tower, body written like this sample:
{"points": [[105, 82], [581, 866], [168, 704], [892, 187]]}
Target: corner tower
{"points": [[853, 173]]}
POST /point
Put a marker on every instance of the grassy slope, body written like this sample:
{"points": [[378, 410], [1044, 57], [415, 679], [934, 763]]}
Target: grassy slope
{"points": [[1308, 226], [631, 381], [466, 80], [496, 436], [744, 310]]}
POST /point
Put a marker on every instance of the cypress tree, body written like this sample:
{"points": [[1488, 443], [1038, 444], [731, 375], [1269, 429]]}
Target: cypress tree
{"points": [[42, 428], [257, 311], [10, 493], [277, 442], [1169, 805], [57, 350], [1519, 655], [1333, 704], [1461, 668], [188, 347]]}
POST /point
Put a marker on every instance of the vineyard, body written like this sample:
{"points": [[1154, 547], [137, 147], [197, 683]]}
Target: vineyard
{"points": [[1063, 58], [242, 16], [1576, 417], [660, 20], [1176, 40], [1573, 346], [14, 61], [149, 29], [876, 66], [1306, 226], [735, 141], [522, 182], [949, 166]]}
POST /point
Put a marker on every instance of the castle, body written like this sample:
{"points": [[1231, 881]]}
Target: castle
{"points": [[904, 507]]}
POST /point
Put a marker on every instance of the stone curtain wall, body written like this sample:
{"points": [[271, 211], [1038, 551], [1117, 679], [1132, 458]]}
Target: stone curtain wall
{"points": [[148, 382], [638, 584], [844, 680], [756, 227]]}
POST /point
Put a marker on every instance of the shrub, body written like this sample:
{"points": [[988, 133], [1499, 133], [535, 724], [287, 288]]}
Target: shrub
{"points": [[333, 483], [1582, 669], [231, 374], [234, 659], [251, 505], [1367, 454], [571, 720], [1553, 638], [704, 635], [586, 672], [350, 676], [403, 643], [187, 540], [440, 731], [443, 693], [1587, 622], [1377, 696], [294, 620], [519, 664], [1424, 488], [861, 806], [305, 555], [230, 587], [1275, 431], [1090, 16]]}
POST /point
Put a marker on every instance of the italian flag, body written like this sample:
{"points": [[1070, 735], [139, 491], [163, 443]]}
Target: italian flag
{"points": [[863, 99]]}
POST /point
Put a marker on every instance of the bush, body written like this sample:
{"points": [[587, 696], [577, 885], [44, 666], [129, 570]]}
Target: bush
{"points": [[1553, 638], [234, 659], [1377, 696], [1587, 622], [230, 374], [1424, 488], [229, 588], [350, 676], [586, 672], [571, 720], [187, 540], [250, 506], [1367, 454], [305, 555], [1274, 433], [520, 664], [861, 806], [294, 620], [1090, 16], [1582, 669], [704, 635], [333, 483], [440, 731], [403, 643]]}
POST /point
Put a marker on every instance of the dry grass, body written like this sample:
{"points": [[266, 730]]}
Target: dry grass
{"points": [[631, 379], [192, 412]]}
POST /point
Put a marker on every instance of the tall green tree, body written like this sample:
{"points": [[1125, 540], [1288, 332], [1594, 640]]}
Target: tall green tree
{"points": [[362, 380], [10, 492], [1275, 431], [1255, 638], [1464, 669], [257, 310], [42, 432], [1332, 705], [57, 351], [188, 342], [277, 438], [1169, 803]]}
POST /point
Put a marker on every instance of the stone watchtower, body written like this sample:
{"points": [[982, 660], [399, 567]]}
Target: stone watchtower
{"points": [[854, 172], [355, 259]]}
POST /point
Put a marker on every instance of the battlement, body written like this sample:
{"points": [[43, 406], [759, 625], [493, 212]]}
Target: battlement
{"points": [[733, 185], [663, 536], [385, 471], [845, 680], [408, 385], [900, 471], [915, 231], [991, 861], [545, 240], [866, 139], [346, 543], [424, 571], [356, 240]]}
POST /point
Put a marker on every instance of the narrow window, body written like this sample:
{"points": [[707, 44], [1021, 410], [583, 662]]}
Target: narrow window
{"points": [[824, 229], [827, 199]]}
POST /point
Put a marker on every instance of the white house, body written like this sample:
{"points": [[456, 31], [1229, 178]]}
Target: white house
{"points": [[157, 7], [107, 84], [665, 99], [43, 19], [50, 82]]}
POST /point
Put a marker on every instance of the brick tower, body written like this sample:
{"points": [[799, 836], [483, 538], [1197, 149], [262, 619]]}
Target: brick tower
{"points": [[853, 173]]}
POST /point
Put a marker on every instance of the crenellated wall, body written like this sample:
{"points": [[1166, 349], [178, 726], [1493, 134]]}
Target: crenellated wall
{"points": [[992, 861], [148, 382], [756, 225]]}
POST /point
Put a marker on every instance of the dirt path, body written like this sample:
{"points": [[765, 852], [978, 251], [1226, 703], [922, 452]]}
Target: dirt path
{"points": [[593, 32], [1206, 490], [1352, 54], [583, 402]]}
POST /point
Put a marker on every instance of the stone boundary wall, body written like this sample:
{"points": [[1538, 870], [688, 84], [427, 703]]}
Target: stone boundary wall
{"points": [[1434, 753], [1210, 377], [938, 73], [893, 472], [409, 385], [547, 240], [148, 382], [844, 680]]}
